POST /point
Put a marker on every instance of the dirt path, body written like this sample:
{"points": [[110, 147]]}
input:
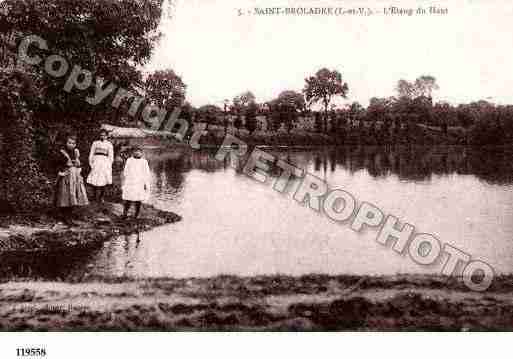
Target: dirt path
{"points": [[258, 303]]}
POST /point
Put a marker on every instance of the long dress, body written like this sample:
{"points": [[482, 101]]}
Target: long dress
{"points": [[137, 177], [70, 189], [101, 157]]}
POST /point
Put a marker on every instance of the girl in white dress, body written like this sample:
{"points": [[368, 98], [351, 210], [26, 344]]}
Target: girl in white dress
{"points": [[101, 157], [136, 182]]}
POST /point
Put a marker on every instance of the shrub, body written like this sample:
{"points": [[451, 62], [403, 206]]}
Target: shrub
{"points": [[23, 186]]}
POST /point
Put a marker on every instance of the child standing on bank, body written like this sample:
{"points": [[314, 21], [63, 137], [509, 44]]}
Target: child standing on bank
{"points": [[101, 157], [136, 182], [70, 189]]}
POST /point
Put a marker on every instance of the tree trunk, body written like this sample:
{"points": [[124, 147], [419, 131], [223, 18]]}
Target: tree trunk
{"points": [[326, 118]]}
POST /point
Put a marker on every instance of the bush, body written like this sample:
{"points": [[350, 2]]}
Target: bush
{"points": [[23, 186]]}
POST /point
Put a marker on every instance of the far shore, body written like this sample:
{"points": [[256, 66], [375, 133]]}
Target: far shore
{"points": [[215, 135]]}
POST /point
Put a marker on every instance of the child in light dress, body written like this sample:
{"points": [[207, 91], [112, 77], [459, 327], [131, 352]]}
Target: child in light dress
{"points": [[136, 182], [101, 157]]}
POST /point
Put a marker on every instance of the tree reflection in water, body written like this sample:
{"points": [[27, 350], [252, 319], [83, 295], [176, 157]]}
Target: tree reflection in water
{"points": [[409, 163]]}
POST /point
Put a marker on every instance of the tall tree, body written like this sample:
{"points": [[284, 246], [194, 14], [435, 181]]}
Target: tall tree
{"points": [[323, 87], [112, 39], [425, 85], [165, 89], [422, 86], [405, 89]]}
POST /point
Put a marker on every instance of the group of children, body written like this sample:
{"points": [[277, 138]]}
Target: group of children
{"points": [[70, 189]]}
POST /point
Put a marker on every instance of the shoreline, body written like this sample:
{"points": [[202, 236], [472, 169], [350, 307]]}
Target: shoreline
{"points": [[91, 226], [259, 303]]}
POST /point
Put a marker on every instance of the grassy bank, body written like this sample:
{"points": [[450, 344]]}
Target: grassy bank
{"points": [[314, 302]]}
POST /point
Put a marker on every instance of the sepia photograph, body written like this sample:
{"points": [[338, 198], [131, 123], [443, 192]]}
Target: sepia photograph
{"points": [[255, 166]]}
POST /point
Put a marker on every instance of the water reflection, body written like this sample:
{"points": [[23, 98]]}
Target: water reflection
{"points": [[58, 265], [119, 256], [409, 163], [231, 224], [420, 163]]}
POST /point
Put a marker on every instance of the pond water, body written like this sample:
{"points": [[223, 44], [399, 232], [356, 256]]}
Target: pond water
{"points": [[235, 225]]}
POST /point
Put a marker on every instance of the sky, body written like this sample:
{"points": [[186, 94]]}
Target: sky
{"points": [[220, 54]]}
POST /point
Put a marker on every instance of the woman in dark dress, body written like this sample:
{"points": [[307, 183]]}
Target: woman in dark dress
{"points": [[70, 190]]}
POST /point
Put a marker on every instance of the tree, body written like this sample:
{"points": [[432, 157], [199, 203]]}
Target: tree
{"points": [[238, 122], [165, 89], [22, 184], [288, 105], [111, 39], [443, 114], [251, 121], [379, 109], [318, 123], [291, 99], [405, 89], [226, 105], [466, 117], [209, 114], [422, 86], [187, 111], [414, 102], [274, 118], [243, 100], [323, 87], [241, 105], [421, 109], [425, 85], [356, 111]]}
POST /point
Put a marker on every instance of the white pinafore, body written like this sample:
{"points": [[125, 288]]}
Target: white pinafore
{"points": [[137, 177], [101, 157]]}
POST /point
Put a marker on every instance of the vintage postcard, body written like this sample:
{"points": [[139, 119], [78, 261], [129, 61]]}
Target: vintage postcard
{"points": [[255, 166]]}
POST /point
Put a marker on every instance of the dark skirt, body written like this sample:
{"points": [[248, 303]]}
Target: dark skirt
{"points": [[70, 189]]}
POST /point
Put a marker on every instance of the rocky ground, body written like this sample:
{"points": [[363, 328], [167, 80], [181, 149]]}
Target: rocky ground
{"points": [[91, 226], [266, 303]]}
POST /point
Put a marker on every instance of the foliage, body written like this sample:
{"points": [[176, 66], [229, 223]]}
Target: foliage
{"points": [[209, 114], [243, 100], [112, 39], [274, 120], [251, 121], [237, 123], [22, 184], [323, 87], [165, 89], [287, 106], [318, 123], [423, 86]]}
